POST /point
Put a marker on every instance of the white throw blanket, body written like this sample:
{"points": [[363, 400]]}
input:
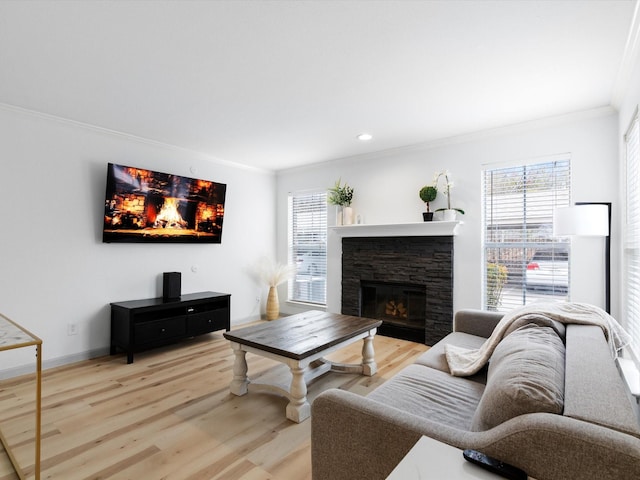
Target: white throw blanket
{"points": [[463, 362]]}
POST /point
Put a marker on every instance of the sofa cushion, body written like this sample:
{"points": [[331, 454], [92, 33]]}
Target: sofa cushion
{"points": [[435, 358], [526, 375], [431, 394]]}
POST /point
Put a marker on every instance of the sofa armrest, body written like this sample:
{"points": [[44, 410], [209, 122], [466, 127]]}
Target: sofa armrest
{"points": [[556, 447], [476, 322], [353, 437]]}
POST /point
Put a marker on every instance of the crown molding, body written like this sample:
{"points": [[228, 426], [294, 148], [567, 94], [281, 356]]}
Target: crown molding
{"points": [[545, 122], [128, 136], [629, 59]]}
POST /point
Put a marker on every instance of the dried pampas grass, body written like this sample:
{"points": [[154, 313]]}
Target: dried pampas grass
{"points": [[273, 273]]}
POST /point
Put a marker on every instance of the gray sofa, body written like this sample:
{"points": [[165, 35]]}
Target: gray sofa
{"points": [[551, 402]]}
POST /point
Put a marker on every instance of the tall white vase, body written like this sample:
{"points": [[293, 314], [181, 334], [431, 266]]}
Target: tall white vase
{"points": [[347, 215]]}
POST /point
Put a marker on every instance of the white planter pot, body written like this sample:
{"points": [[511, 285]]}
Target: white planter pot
{"points": [[449, 215]]}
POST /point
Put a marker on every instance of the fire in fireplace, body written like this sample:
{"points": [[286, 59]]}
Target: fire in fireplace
{"points": [[402, 307], [169, 216]]}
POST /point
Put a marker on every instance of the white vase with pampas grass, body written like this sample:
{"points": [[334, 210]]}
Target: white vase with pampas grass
{"points": [[273, 274]]}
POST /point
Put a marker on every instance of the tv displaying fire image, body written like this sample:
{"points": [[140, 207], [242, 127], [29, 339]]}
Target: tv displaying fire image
{"points": [[146, 206]]}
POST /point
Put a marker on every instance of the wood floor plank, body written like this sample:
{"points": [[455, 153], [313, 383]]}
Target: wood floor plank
{"points": [[170, 415]]}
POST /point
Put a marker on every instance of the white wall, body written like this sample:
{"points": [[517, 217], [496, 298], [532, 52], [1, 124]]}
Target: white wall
{"points": [[55, 268], [387, 184]]}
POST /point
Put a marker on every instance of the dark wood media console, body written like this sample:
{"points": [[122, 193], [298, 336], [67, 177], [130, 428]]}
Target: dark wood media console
{"points": [[140, 324]]}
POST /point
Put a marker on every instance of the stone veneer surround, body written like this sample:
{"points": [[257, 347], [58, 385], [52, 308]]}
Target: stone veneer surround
{"points": [[424, 260]]}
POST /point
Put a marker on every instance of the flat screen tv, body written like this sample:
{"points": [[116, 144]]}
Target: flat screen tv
{"points": [[146, 206]]}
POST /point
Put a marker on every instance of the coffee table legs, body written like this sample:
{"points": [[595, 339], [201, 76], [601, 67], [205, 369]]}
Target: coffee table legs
{"points": [[302, 371], [369, 366], [240, 381], [298, 408]]}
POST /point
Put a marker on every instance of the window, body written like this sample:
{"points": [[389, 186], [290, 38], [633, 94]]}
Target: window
{"points": [[631, 286], [308, 247], [523, 261]]}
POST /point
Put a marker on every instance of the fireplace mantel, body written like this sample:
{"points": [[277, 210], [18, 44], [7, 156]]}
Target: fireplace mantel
{"points": [[416, 229]]}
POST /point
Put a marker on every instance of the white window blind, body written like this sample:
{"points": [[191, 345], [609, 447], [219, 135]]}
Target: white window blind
{"points": [[523, 261], [308, 247], [631, 286]]}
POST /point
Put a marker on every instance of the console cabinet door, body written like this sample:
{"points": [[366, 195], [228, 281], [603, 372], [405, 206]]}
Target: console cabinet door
{"points": [[207, 321], [158, 330]]}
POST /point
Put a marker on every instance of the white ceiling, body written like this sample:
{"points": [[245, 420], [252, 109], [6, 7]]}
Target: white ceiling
{"points": [[276, 84]]}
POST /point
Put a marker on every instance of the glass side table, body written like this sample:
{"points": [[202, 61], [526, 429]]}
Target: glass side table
{"points": [[14, 336]]}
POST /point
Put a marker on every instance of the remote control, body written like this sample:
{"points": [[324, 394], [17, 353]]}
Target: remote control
{"points": [[495, 466]]}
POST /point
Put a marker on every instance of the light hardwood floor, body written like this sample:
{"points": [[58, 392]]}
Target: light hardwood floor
{"points": [[170, 415]]}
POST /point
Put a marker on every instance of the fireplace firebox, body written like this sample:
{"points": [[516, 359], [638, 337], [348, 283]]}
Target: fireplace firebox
{"points": [[402, 307]]}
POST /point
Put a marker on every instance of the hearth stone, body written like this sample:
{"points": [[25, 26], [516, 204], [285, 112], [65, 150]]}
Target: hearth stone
{"points": [[417, 261]]}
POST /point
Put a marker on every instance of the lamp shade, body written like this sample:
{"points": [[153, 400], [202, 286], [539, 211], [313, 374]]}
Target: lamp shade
{"points": [[581, 220]]}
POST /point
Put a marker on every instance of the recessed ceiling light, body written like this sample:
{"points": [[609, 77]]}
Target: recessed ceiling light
{"points": [[364, 137]]}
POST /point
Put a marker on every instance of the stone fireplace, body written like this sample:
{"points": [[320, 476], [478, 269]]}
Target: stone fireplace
{"points": [[405, 281]]}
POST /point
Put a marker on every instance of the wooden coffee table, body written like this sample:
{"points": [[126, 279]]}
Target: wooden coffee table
{"points": [[300, 341]]}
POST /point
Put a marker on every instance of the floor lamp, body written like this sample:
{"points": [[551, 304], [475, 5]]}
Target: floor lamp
{"points": [[587, 219]]}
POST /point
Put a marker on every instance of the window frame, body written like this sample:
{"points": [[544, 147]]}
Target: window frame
{"points": [[631, 236], [312, 244], [512, 235]]}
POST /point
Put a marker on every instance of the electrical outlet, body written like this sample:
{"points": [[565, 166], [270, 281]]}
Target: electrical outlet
{"points": [[72, 328]]}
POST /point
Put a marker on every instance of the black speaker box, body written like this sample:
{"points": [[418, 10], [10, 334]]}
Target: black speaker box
{"points": [[171, 285]]}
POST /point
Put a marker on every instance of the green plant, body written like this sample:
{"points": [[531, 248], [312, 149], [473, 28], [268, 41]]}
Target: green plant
{"points": [[447, 188], [496, 279], [428, 194], [340, 195]]}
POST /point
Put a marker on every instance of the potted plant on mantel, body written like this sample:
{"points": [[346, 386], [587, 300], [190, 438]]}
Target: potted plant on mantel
{"points": [[428, 194], [342, 196], [449, 214]]}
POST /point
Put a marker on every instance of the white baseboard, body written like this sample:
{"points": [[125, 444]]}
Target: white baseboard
{"points": [[241, 321], [53, 362], [78, 357]]}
